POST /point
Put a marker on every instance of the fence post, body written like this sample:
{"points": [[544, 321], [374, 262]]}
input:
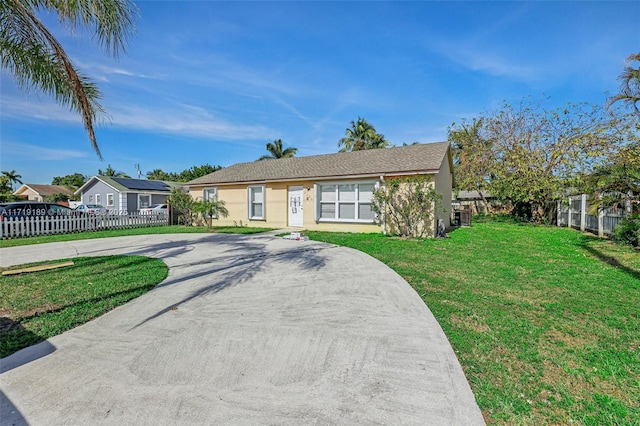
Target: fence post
{"points": [[600, 222], [570, 212], [583, 213]]}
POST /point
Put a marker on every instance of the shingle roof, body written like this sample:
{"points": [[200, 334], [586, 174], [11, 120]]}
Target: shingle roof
{"points": [[399, 160], [45, 190], [473, 195]]}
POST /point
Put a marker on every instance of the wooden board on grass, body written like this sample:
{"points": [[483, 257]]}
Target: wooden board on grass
{"points": [[38, 268]]}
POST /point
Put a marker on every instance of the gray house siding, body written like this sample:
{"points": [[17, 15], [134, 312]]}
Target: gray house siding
{"points": [[96, 193], [124, 194], [132, 202]]}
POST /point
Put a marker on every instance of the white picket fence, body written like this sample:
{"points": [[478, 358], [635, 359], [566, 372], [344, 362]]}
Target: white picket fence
{"points": [[32, 226], [574, 215]]}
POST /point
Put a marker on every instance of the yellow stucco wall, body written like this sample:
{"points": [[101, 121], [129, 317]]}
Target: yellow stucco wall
{"points": [[443, 185], [31, 195], [277, 208]]}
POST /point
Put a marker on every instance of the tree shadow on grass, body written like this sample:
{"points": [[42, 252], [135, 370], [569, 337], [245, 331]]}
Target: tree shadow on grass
{"points": [[14, 337], [586, 244]]}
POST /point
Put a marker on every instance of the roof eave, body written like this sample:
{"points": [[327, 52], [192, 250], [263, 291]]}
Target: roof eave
{"points": [[317, 178]]}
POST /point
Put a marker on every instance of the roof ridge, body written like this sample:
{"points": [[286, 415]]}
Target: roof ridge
{"points": [[402, 159]]}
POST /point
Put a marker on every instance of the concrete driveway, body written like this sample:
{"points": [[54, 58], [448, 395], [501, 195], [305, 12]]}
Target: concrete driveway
{"points": [[246, 330]]}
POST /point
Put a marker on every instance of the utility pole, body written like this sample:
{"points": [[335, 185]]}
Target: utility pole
{"points": [[137, 166]]}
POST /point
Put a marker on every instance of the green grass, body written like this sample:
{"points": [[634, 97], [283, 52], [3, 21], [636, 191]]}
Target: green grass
{"points": [[173, 229], [38, 305], [544, 320]]}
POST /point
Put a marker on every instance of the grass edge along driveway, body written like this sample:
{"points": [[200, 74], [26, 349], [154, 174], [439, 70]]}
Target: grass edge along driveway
{"points": [[169, 229], [39, 305], [544, 320]]}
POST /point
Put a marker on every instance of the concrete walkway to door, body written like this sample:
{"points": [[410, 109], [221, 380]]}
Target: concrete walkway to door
{"points": [[245, 330]]}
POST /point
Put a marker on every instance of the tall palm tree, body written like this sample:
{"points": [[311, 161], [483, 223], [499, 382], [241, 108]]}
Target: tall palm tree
{"points": [[276, 151], [37, 60], [12, 177], [630, 87], [362, 135]]}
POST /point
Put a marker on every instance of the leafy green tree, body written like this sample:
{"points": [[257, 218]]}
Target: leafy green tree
{"points": [[5, 186], [210, 209], [159, 174], [630, 85], [75, 180], [407, 205], [54, 198], [628, 231], [12, 177], [276, 150], [6, 191], [185, 175], [616, 184], [197, 171], [181, 204], [473, 158], [536, 153], [38, 61], [360, 136]]}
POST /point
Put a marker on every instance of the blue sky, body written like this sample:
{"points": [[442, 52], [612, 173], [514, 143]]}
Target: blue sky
{"points": [[214, 81]]}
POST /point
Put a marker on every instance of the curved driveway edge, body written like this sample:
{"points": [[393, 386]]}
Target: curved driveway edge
{"points": [[244, 330]]}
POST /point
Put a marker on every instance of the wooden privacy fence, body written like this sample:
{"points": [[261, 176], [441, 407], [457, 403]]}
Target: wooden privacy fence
{"points": [[574, 214], [40, 225]]}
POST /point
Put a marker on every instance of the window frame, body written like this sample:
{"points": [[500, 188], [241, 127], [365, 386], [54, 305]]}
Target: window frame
{"points": [[250, 202], [337, 202], [144, 195], [206, 196], [111, 199]]}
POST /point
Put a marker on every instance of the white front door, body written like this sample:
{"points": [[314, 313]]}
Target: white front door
{"points": [[296, 217]]}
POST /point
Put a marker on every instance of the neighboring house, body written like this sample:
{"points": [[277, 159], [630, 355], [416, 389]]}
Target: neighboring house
{"points": [[473, 200], [125, 194], [330, 192], [35, 192]]}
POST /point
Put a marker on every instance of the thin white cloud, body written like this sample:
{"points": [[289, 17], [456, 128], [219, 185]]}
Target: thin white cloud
{"points": [[484, 60], [245, 80], [121, 71], [36, 108], [188, 120], [35, 152], [182, 119]]}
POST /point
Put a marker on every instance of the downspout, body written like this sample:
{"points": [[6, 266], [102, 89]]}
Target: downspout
{"points": [[383, 219]]}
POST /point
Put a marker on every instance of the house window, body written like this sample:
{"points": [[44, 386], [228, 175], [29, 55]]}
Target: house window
{"points": [[110, 200], [144, 201], [256, 202], [210, 194], [345, 202]]}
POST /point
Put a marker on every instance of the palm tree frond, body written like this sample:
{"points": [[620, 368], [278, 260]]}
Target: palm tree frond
{"points": [[38, 61]]}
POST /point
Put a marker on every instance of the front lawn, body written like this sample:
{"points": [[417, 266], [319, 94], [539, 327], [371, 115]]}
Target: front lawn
{"points": [[38, 305], [545, 321]]}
